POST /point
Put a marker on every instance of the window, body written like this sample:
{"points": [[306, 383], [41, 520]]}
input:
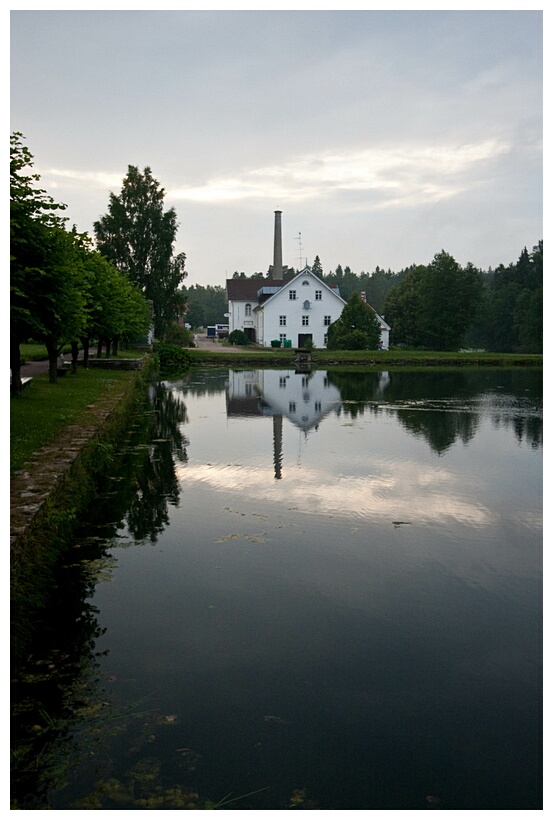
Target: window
{"points": [[325, 340], [327, 321], [282, 338], [317, 406], [248, 310], [292, 407], [318, 295], [292, 294], [305, 320], [282, 381], [282, 321], [305, 282]]}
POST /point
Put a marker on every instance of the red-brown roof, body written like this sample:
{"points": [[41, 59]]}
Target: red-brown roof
{"points": [[240, 289]]}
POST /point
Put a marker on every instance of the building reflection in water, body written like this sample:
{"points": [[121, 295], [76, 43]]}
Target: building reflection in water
{"points": [[303, 398]]}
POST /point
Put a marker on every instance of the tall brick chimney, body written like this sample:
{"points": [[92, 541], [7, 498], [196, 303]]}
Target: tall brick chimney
{"points": [[277, 257]]}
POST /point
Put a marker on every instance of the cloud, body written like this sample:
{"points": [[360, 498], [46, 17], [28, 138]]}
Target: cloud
{"points": [[435, 495], [403, 175], [57, 177]]}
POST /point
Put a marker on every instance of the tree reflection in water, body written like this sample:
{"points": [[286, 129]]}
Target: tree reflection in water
{"points": [[156, 484], [446, 405], [59, 707]]}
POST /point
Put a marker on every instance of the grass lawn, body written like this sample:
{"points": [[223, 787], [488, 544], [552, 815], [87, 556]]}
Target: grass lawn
{"points": [[43, 409], [38, 353]]}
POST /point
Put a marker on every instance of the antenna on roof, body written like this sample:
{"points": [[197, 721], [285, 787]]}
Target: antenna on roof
{"points": [[301, 248]]}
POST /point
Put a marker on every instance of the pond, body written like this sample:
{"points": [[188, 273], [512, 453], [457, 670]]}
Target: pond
{"points": [[302, 590]]}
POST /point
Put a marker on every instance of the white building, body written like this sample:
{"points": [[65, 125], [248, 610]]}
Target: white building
{"points": [[290, 313], [287, 312]]}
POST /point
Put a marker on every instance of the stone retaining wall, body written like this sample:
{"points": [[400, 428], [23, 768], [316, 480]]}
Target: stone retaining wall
{"points": [[116, 364], [50, 492]]}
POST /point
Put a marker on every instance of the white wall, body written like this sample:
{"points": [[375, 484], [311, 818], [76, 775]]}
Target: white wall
{"points": [[294, 310]]}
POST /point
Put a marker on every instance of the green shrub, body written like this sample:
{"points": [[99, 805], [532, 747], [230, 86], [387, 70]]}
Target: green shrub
{"points": [[178, 335], [173, 359], [238, 337], [354, 340]]}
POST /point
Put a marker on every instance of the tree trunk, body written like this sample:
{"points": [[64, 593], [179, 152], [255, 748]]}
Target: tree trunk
{"points": [[74, 357], [99, 349], [52, 361], [85, 343], [115, 345], [108, 348], [15, 365]]}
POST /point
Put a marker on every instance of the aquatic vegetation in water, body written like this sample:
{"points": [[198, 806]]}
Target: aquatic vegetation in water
{"points": [[142, 789], [230, 537], [254, 537], [298, 800], [275, 719], [225, 801]]}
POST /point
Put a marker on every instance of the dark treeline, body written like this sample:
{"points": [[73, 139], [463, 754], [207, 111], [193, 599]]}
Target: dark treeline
{"points": [[444, 306], [205, 305]]}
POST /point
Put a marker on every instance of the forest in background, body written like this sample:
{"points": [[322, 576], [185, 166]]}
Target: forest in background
{"points": [[498, 310]]}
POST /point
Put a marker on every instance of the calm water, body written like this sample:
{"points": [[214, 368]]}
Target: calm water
{"points": [[326, 586]]}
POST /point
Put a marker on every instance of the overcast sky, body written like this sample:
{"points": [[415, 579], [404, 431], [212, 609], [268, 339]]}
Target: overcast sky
{"points": [[384, 137]]}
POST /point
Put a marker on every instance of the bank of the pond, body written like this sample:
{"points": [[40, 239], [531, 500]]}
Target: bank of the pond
{"points": [[53, 487], [224, 355]]}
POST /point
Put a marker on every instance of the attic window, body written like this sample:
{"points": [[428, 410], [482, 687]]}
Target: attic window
{"points": [[305, 282]]}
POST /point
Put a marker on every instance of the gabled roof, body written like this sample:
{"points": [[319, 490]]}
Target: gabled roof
{"points": [[383, 324], [291, 282]]}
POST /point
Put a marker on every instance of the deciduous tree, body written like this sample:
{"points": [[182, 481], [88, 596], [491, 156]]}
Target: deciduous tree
{"points": [[357, 328], [116, 308], [139, 237], [48, 291], [433, 305], [449, 296], [33, 217]]}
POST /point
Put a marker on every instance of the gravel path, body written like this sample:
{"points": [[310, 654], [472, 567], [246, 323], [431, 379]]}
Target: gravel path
{"points": [[34, 368]]}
